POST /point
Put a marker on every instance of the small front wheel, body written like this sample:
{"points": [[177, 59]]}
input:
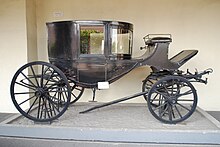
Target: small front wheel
{"points": [[40, 91], [172, 99]]}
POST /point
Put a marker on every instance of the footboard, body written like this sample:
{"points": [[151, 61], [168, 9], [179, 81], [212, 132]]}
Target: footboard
{"points": [[183, 56]]}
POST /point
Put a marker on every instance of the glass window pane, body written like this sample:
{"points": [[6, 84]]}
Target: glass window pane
{"points": [[121, 41], [92, 39]]}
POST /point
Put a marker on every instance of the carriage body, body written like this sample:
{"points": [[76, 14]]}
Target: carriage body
{"points": [[89, 52]]}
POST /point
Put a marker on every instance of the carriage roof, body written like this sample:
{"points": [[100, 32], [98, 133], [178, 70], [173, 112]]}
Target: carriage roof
{"points": [[69, 39]]}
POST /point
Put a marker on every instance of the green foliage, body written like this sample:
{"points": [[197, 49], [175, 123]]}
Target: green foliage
{"points": [[86, 33], [85, 43]]}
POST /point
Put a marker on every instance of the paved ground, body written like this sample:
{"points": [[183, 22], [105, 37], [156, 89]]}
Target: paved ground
{"points": [[118, 117], [28, 142]]}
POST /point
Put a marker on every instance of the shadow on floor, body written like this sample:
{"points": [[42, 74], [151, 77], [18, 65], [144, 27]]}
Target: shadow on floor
{"points": [[215, 114], [4, 116]]}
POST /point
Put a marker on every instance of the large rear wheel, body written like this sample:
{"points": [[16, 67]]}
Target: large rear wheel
{"points": [[40, 91]]}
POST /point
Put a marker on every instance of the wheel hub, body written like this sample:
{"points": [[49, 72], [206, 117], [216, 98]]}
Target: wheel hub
{"points": [[40, 92], [172, 100]]}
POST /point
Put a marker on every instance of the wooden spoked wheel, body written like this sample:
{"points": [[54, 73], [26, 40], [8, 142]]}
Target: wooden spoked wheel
{"points": [[40, 91], [172, 99]]}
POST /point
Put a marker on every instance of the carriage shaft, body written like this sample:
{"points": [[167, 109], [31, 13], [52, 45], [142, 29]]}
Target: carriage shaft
{"points": [[115, 101]]}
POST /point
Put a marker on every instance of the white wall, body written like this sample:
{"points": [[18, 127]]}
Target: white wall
{"points": [[31, 30], [13, 46], [193, 24], [18, 43]]}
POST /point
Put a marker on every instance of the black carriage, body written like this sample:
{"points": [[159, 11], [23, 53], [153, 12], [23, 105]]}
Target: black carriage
{"points": [[93, 54]]}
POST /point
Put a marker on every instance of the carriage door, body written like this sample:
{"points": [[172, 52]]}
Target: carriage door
{"points": [[92, 60]]}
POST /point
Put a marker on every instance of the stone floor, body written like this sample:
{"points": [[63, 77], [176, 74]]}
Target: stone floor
{"points": [[121, 125], [120, 116]]}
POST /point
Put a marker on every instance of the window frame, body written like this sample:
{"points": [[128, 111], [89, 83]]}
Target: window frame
{"points": [[101, 25], [130, 31]]}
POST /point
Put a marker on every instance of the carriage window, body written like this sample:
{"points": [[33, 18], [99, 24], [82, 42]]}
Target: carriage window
{"points": [[121, 41], [92, 39]]}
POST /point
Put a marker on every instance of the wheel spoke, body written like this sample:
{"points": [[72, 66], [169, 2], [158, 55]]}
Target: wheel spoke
{"points": [[32, 105], [166, 89], [43, 72], [73, 95], [183, 106], [46, 109], [29, 80], [173, 112], [76, 92], [162, 111], [26, 85], [62, 97], [185, 93], [53, 99], [38, 110], [42, 109], [160, 106], [170, 112], [65, 92], [54, 86], [52, 102], [23, 93], [177, 92], [154, 98], [50, 108], [57, 91], [26, 100], [185, 100], [178, 111], [42, 76], [48, 79], [172, 87], [160, 101], [34, 76], [161, 93]]}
